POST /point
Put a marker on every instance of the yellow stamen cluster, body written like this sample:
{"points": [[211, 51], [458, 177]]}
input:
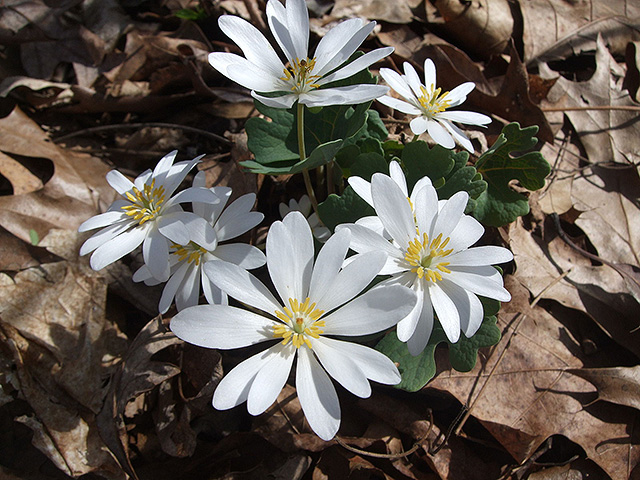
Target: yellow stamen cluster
{"points": [[146, 204], [300, 321], [300, 72], [432, 102], [191, 252], [421, 254]]}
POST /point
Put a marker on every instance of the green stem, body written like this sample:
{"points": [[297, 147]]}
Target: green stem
{"points": [[303, 155]]}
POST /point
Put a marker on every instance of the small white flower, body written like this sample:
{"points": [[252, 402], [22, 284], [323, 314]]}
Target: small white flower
{"points": [[431, 105], [147, 214], [317, 302], [429, 252], [321, 232], [263, 71], [186, 261]]}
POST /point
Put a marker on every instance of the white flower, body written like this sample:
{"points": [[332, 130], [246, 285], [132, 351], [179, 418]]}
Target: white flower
{"points": [[317, 301], [263, 71], [186, 261], [431, 105], [147, 215], [429, 252], [321, 232]]}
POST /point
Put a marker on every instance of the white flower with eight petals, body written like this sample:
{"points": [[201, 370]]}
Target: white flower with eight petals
{"points": [[431, 105], [146, 214], [303, 76], [429, 252], [186, 261], [318, 300]]}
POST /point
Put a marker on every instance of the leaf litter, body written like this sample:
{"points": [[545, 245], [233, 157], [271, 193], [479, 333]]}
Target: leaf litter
{"points": [[103, 389]]}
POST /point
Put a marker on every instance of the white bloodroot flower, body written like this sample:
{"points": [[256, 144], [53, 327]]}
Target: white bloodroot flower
{"points": [[303, 206], [146, 214], [431, 105], [430, 252], [303, 76], [186, 261], [318, 301]]}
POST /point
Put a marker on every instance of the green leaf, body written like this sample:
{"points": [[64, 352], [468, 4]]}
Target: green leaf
{"points": [[417, 371], [33, 236], [499, 204], [187, 14], [346, 208]]}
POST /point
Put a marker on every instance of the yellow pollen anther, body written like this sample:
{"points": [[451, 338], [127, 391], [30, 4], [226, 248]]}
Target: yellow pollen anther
{"points": [[432, 102], [423, 256], [145, 204], [300, 321], [299, 75], [191, 252]]}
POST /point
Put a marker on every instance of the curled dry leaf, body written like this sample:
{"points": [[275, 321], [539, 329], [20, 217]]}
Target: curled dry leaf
{"points": [[393, 12], [76, 191], [619, 385]]}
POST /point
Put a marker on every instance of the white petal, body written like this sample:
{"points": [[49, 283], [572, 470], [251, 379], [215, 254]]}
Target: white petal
{"points": [[398, 83], [102, 220], [162, 169], [105, 235], [447, 312], [241, 254], [467, 304], [298, 26], [468, 232], [360, 63], [440, 134], [393, 208], [290, 256], [407, 326], [237, 219], [119, 182], [373, 223], [142, 275], [486, 255], [418, 341], [345, 50], [277, 19], [211, 211], [429, 74], [241, 285], [284, 101], [221, 326], [212, 293], [450, 214], [155, 251], [195, 229], [173, 227], [484, 281], [419, 125], [328, 264], [425, 206], [396, 173], [117, 247], [333, 41], [469, 118], [189, 293], [376, 310], [412, 78], [400, 105], [373, 364], [242, 71], [233, 389], [420, 184], [170, 289], [459, 94], [362, 188], [253, 44], [338, 364], [272, 376], [470, 325], [194, 194], [351, 95], [366, 240], [457, 134], [317, 396]]}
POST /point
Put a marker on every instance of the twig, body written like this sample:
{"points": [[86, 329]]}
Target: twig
{"points": [[120, 126]]}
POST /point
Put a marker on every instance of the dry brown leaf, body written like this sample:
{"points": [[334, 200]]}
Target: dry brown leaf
{"points": [[398, 11], [607, 135], [530, 393], [619, 385], [560, 273], [555, 29], [483, 27], [77, 190], [14, 253]]}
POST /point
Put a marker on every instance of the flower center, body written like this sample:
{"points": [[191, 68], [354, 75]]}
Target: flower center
{"points": [[298, 75], [425, 257], [145, 204], [432, 102], [191, 252], [300, 322]]}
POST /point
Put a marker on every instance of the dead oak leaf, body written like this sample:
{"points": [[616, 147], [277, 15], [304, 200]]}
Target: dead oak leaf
{"points": [[76, 191]]}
